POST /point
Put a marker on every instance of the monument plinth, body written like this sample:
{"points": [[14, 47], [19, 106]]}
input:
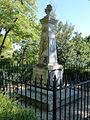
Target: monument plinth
{"points": [[48, 65]]}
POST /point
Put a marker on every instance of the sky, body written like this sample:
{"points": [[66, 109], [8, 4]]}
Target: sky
{"points": [[75, 12]]}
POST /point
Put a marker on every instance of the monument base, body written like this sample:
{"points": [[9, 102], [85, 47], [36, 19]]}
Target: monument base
{"points": [[47, 73], [39, 71], [57, 71]]}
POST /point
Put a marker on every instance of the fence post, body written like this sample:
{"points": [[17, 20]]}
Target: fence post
{"points": [[54, 98]]}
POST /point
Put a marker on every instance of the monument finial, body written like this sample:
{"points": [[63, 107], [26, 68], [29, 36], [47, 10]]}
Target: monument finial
{"points": [[48, 9]]}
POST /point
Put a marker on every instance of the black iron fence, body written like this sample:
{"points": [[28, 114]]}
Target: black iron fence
{"points": [[67, 101]]}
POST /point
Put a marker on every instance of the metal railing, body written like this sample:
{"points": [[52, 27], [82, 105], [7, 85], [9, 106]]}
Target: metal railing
{"points": [[67, 101]]}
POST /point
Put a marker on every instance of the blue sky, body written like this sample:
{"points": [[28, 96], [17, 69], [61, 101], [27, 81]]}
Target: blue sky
{"points": [[76, 12]]}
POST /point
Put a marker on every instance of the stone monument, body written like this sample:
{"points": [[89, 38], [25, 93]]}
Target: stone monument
{"points": [[48, 65], [42, 99]]}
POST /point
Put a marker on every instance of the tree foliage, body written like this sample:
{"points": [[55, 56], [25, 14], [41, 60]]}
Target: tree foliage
{"points": [[72, 47], [79, 52], [18, 19], [64, 33], [28, 53]]}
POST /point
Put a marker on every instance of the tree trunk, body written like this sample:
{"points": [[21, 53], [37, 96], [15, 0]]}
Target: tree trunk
{"points": [[1, 47], [7, 31], [0, 30]]}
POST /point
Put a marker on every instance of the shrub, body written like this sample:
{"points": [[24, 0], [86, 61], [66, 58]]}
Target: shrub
{"points": [[9, 110]]}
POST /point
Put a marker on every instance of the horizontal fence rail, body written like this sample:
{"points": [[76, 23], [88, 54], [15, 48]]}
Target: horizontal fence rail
{"points": [[68, 100]]}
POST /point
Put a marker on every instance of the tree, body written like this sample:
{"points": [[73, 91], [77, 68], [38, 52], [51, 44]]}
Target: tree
{"points": [[72, 47], [87, 39], [28, 53], [64, 33], [18, 20], [79, 52]]}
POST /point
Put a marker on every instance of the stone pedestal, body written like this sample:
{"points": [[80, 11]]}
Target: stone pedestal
{"points": [[57, 71], [47, 73], [40, 71]]}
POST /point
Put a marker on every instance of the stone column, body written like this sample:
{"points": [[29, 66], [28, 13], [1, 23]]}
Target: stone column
{"points": [[48, 52]]}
